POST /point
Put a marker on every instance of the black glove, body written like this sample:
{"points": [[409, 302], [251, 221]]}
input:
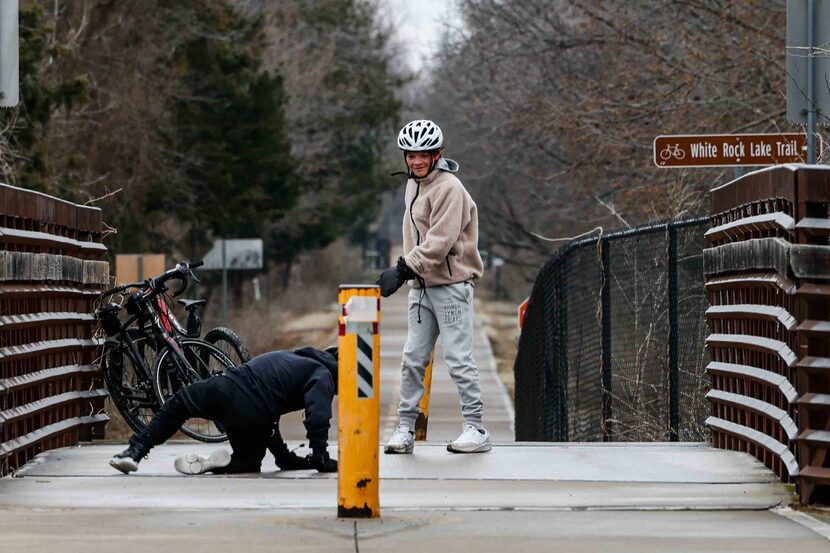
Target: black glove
{"points": [[292, 461], [321, 461], [393, 278]]}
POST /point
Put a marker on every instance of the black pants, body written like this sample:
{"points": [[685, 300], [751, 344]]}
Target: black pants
{"points": [[219, 400]]}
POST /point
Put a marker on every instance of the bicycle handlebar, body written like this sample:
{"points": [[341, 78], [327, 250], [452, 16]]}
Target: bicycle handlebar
{"points": [[121, 288], [181, 271]]}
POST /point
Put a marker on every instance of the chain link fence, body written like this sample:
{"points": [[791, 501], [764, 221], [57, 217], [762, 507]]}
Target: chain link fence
{"points": [[613, 344]]}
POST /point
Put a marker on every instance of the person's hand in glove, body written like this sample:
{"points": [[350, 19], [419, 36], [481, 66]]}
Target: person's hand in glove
{"points": [[393, 278], [292, 461], [321, 461]]}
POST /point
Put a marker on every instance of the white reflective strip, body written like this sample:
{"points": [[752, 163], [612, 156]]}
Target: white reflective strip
{"points": [[362, 309]]}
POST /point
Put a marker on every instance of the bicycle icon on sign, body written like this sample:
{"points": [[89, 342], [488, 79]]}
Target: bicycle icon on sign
{"points": [[672, 151]]}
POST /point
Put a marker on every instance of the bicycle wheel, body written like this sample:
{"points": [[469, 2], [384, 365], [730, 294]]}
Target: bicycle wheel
{"points": [[129, 385], [229, 343], [198, 361]]}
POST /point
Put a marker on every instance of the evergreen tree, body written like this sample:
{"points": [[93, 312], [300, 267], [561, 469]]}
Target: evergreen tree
{"points": [[230, 133], [343, 111]]}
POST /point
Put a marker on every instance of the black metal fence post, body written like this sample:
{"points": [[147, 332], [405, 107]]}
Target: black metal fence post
{"points": [[562, 353], [545, 421], [607, 413], [674, 400]]}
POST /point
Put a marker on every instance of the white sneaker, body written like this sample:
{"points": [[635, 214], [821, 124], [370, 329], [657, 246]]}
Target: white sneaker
{"points": [[127, 461], [193, 463], [471, 441], [124, 464], [402, 441]]}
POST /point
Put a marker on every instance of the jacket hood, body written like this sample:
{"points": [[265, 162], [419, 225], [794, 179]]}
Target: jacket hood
{"points": [[448, 165], [325, 358], [443, 164]]}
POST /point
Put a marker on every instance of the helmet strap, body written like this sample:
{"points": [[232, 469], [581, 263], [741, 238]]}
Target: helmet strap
{"points": [[433, 160], [409, 173]]}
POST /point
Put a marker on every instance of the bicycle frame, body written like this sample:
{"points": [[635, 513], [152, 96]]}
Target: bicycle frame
{"points": [[169, 330], [164, 319], [150, 306], [163, 329]]}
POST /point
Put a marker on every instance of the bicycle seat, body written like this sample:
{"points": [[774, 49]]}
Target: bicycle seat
{"points": [[190, 304]]}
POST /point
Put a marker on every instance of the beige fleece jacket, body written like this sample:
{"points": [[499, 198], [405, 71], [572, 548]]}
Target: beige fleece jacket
{"points": [[440, 228]]}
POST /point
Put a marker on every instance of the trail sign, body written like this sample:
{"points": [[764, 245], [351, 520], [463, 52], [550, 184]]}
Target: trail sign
{"points": [[239, 253], [730, 150], [245, 253]]}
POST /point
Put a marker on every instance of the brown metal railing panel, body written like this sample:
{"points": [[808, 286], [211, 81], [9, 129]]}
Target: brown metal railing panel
{"points": [[767, 264], [51, 270]]}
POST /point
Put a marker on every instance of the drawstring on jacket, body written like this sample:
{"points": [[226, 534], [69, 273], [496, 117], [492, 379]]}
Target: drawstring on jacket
{"points": [[411, 217]]}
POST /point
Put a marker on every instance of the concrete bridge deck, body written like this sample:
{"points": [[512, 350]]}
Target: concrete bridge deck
{"points": [[572, 497], [525, 497]]}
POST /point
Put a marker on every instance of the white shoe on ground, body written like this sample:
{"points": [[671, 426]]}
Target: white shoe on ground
{"points": [[402, 441], [471, 440], [193, 463], [127, 461], [124, 464]]}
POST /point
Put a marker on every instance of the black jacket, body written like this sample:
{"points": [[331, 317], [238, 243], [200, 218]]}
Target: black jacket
{"points": [[283, 381]]}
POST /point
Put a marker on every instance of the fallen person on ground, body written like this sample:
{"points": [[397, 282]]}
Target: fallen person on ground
{"points": [[247, 402]]}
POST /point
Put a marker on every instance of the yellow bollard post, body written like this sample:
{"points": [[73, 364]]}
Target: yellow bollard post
{"points": [[422, 421], [358, 429]]}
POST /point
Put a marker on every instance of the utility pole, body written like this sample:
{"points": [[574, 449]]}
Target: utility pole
{"points": [[811, 93], [808, 68], [9, 54]]}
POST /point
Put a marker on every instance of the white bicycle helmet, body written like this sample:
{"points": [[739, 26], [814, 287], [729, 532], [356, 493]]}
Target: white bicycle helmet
{"points": [[421, 135]]}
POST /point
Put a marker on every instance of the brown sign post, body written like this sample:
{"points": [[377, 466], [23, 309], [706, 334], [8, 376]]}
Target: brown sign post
{"points": [[731, 150], [137, 267]]}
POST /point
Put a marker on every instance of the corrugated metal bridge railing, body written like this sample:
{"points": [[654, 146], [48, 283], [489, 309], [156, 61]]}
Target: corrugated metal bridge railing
{"points": [[50, 274], [767, 264]]}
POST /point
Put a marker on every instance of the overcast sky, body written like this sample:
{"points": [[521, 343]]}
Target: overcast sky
{"points": [[418, 26]]}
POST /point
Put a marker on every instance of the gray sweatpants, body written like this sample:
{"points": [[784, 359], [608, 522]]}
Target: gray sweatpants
{"points": [[448, 311]]}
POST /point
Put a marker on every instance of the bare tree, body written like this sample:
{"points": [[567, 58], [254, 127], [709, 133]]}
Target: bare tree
{"points": [[552, 106]]}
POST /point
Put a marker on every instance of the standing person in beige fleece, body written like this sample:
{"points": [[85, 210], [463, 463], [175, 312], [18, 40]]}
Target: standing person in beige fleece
{"points": [[440, 241]]}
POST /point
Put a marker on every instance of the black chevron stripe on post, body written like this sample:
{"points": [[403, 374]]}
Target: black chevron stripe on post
{"points": [[365, 378]]}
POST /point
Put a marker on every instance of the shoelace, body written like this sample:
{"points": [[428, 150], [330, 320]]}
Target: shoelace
{"points": [[402, 435], [472, 431]]}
